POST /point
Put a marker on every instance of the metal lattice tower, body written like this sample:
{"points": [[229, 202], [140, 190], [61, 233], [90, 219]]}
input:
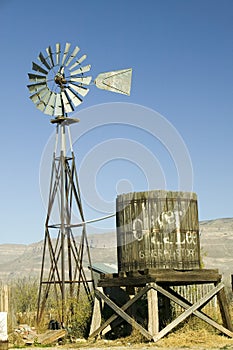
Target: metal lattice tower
{"points": [[57, 88]]}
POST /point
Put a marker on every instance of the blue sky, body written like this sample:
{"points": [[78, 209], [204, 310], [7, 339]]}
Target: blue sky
{"points": [[182, 58]]}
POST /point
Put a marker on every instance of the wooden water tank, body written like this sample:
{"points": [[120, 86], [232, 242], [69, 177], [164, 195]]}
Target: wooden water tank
{"points": [[157, 229]]}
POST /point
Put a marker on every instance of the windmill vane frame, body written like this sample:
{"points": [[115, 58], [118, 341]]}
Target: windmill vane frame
{"points": [[57, 87]]}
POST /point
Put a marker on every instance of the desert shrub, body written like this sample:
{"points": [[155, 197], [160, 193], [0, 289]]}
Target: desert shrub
{"points": [[24, 294], [24, 299], [78, 316]]}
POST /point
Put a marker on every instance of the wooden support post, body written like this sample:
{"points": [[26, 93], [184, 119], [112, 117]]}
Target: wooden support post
{"points": [[97, 311], [223, 305], [153, 312], [4, 298]]}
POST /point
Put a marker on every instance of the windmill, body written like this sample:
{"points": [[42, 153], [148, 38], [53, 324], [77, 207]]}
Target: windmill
{"points": [[57, 87]]}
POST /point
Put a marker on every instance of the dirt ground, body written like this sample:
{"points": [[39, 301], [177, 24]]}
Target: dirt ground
{"points": [[134, 347], [185, 338], [226, 344]]}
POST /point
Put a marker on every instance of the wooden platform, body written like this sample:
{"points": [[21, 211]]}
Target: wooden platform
{"points": [[151, 282], [169, 277]]}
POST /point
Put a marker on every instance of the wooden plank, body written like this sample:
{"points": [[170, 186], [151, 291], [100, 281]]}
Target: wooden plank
{"points": [[188, 312], [51, 336], [124, 281], [186, 277], [223, 305], [153, 311], [170, 277], [124, 315]]}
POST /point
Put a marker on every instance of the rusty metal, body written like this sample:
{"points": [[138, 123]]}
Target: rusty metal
{"points": [[64, 255]]}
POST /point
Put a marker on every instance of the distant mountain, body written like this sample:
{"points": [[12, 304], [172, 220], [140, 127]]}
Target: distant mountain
{"points": [[18, 260], [216, 236], [217, 246]]}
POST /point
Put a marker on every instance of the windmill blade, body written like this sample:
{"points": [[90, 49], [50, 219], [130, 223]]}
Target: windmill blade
{"points": [[50, 55], [81, 70], [49, 109], [58, 110], [35, 98], [36, 78], [75, 99], [79, 61], [67, 47], [41, 106], [36, 87], [44, 101], [66, 103], [58, 51], [79, 89], [82, 80], [46, 97], [40, 94], [72, 56], [117, 81], [43, 60], [38, 68]]}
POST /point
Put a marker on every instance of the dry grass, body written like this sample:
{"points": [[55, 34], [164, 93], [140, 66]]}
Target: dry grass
{"points": [[187, 337], [191, 334]]}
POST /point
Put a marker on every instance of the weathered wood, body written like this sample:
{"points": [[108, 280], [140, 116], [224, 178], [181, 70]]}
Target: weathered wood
{"points": [[153, 324], [173, 277], [96, 315], [51, 336], [223, 305], [165, 276], [4, 298], [157, 229], [124, 315], [153, 311], [124, 308], [4, 345], [188, 312]]}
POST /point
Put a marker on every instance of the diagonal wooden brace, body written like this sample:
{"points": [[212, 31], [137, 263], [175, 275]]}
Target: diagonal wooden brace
{"points": [[123, 314], [186, 304], [193, 309], [124, 307]]}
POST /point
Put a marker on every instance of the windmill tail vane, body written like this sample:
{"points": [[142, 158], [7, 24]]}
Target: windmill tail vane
{"points": [[117, 81]]}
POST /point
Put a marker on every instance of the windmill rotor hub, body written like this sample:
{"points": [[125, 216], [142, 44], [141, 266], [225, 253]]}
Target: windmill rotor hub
{"points": [[60, 79]]}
